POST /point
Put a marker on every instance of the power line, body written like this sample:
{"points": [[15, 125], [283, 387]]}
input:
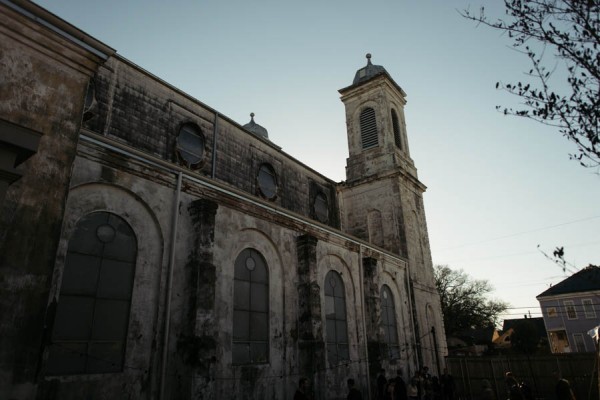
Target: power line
{"points": [[517, 254], [520, 233]]}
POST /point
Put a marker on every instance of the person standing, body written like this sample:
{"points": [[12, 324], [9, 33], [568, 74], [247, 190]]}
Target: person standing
{"points": [[353, 393], [381, 385], [563, 388], [303, 389], [512, 387], [412, 390], [400, 389], [486, 390], [390, 390], [447, 382]]}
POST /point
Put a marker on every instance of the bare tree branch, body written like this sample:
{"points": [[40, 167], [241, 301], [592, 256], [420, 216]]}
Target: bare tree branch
{"points": [[570, 29]]}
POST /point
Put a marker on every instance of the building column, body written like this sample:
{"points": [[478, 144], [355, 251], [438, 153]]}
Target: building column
{"points": [[311, 346], [376, 345], [196, 343]]}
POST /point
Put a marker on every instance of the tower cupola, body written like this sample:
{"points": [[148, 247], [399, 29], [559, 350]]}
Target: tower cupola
{"points": [[368, 72], [255, 128]]}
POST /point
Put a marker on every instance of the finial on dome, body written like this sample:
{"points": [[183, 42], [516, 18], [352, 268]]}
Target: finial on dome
{"points": [[256, 128], [368, 58]]}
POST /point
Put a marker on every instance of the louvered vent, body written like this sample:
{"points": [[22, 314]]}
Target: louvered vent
{"points": [[396, 127], [368, 129]]}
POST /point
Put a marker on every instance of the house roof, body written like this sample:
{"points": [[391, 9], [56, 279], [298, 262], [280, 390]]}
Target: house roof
{"points": [[588, 279], [478, 336], [513, 324]]}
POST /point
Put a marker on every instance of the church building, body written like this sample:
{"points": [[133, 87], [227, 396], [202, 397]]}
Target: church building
{"points": [[153, 248]]}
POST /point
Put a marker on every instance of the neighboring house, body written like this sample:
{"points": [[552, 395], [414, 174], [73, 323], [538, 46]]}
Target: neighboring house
{"points": [[571, 308], [151, 247], [534, 326], [472, 342], [502, 342]]}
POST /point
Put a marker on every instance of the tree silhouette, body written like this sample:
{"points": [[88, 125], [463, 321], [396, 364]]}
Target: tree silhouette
{"points": [[464, 301]]}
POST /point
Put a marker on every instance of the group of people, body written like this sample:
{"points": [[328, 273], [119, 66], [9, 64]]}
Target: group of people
{"points": [[421, 386], [520, 390]]}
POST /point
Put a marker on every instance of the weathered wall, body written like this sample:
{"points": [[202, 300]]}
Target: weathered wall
{"points": [[137, 108], [179, 334], [44, 79], [213, 229]]}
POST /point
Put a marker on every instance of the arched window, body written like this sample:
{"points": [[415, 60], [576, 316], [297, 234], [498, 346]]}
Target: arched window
{"points": [[388, 322], [368, 129], [92, 313], [335, 319], [396, 128], [250, 309]]}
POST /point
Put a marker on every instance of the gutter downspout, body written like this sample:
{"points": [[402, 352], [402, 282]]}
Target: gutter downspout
{"points": [[174, 222], [364, 318], [214, 148]]}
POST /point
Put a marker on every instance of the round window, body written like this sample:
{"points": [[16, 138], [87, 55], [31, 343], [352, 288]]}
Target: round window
{"points": [[267, 181], [190, 144], [321, 209]]}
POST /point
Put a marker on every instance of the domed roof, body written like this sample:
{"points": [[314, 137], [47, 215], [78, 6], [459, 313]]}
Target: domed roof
{"points": [[255, 128], [366, 73]]}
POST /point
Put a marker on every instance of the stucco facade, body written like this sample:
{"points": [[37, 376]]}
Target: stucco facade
{"points": [[186, 206]]}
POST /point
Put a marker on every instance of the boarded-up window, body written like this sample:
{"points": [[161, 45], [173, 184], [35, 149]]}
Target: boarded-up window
{"points": [[375, 227], [321, 208], [368, 129], [92, 314]]}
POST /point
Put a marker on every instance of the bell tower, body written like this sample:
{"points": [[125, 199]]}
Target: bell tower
{"points": [[382, 193], [377, 140], [381, 200]]}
